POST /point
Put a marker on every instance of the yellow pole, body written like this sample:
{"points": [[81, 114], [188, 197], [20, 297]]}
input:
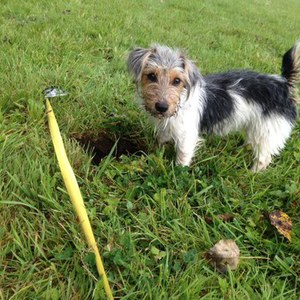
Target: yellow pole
{"points": [[75, 194]]}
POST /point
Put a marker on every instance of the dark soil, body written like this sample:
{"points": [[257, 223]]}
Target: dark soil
{"points": [[101, 145]]}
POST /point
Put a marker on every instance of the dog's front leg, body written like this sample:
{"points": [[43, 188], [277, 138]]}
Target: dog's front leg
{"points": [[185, 149]]}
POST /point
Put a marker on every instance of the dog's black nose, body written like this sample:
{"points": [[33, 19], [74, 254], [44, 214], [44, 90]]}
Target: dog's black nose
{"points": [[161, 106]]}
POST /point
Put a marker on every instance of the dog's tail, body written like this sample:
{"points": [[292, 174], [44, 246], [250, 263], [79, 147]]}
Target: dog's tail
{"points": [[291, 68]]}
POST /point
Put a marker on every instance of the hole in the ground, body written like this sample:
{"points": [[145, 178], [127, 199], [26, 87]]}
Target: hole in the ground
{"points": [[101, 145]]}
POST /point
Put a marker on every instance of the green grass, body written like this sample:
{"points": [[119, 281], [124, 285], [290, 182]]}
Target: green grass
{"points": [[148, 216]]}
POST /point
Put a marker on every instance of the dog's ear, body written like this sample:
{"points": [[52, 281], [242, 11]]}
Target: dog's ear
{"points": [[193, 74], [136, 60]]}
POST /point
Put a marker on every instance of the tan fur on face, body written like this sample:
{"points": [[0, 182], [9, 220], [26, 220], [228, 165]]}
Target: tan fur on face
{"points": [[162, 91]]}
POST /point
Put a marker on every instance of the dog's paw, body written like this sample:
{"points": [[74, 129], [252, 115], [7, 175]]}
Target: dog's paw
{"points": [[260, 165]]}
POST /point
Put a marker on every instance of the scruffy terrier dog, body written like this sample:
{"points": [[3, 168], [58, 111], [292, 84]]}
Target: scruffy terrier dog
{"points": [[184, 104]]}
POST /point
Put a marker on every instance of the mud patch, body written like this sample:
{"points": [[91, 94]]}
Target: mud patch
{"points": [[102, 144]]}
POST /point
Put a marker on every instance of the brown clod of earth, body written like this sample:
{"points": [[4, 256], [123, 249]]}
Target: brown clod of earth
{"points": [[223, 255]]}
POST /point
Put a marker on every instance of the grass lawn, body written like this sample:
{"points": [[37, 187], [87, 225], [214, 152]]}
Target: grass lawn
{"points": [[149, 216]]}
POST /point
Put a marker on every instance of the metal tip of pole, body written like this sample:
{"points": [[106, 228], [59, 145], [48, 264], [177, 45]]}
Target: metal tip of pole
{"points": [[52, 92]]}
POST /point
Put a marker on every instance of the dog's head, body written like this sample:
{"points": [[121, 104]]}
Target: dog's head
{"points": [[165, 77]]}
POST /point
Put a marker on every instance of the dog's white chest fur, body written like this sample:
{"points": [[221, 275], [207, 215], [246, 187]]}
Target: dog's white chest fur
{"points": [[183, 128]]}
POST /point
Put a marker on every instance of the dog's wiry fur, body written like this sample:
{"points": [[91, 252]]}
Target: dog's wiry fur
{"points": [[184, 104]]}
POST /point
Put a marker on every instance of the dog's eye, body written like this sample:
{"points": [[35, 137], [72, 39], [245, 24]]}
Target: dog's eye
{"points": [[176, 81], [152, 77]]}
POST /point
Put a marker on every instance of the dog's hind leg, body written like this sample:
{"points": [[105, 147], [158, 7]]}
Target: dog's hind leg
{"points": [[267, 139], [261, 160]]}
